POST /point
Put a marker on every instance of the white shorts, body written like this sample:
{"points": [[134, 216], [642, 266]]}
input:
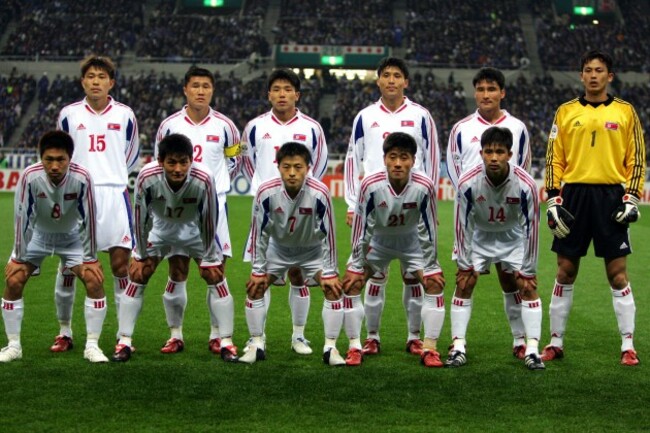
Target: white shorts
{"points": [[65, 245], [114, 218], [177, 240], [506, 248], [384, 249], [222, 227], [248, 248], [280, 259]]}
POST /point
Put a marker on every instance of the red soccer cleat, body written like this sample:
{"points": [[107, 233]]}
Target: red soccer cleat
{"points": [[229, 354], [62, 343], [431, 359], [354, 357], [371, 346], [629, 358], [414, 347], [552, 352], [519, 352], [215, 346], [173, 345]]}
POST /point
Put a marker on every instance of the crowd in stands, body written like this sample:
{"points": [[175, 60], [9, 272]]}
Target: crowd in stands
{"points": [[16, 93]]}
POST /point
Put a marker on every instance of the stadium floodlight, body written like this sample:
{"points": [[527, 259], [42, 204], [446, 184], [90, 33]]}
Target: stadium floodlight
{"points": [[583, 10], [213, 3], [331, 60]]}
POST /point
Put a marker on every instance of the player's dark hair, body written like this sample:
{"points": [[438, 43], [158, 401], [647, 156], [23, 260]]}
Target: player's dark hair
{"points": [[56, 140], [100, 62], [497, 135], [292, 148], [597, 54], [175, 144], [195, 71], [284, 74], [491, 75], [401, 141], [393, 61]]}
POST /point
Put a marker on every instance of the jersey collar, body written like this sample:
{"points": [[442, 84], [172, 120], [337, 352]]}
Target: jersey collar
{"points": [[606, 102], [399, 109], [106, 110], [289, 122]]}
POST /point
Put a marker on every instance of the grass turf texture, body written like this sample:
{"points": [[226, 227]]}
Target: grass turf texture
{"points": [[195, 391]]}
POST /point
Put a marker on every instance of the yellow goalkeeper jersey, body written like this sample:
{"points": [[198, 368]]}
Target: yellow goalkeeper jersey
{"points": [[596, 144]]}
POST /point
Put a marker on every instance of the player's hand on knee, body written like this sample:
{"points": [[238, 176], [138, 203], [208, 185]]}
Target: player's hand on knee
{"points": [[434, 284], [525, 283], [140, 270], [256, 286], [212, 274], [559, 219], [466, 279], [91, 272], [353, 282], [628, 211], [331, 286], [17, 271]]}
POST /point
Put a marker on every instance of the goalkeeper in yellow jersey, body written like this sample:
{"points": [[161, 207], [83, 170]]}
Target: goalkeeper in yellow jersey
{"points": [[595, 173]]}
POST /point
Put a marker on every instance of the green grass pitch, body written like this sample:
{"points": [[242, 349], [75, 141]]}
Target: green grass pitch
{"points": [[195, 391]]}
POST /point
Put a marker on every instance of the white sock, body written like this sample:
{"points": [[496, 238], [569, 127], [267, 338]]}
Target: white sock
{"points": [[625, 311], [175, 301], [373, 305], [353, 317], [12, 315], [95, 313], [130, 307], [332, 320], [255, 316], [531, 316], [222, 308], [558, 311], [512, 307], [299, 302], [119, 285], [64, 291], [412, 301], [433, 315], [461, 312]]}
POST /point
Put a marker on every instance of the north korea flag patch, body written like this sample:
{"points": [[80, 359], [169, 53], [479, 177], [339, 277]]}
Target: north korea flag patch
{"points": [[305, 211]]}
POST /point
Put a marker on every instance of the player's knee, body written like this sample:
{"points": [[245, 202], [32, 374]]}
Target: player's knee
{"points": [[295, 276], [465, 293], [94, 289], [529, 294], [409, 281], [618, 281], [257, 294], [178, 275], [120, 261], [14, 287]]}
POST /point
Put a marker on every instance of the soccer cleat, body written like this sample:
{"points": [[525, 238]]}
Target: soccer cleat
{"points": [[371, 346], [414, 347], [94, 354], [333, 357], [534, 362], [214, 346], [117, 341], [629, 358], [252, 355], [300, 345], [519, 352], [36, 272], [62, 343], [431, 359], [10, 353], [122, 353], [354, 357], [552, 352], [229, 353], [173, 345], [249, 343], [456, 359]]}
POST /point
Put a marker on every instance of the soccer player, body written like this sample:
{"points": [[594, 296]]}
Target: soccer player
{"points": [[54, 215], [497, 220], [105, 135], [175, 217], [595, 147], [262, 138], [393, 112], [216, 144], [464, 152], [396, 218], [293, 226]]}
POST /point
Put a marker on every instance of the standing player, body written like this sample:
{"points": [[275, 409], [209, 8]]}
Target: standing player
{"points": [[175, 217], [215, 139], [261, 139], [396, 219], [464, 152], [392, 113], [293, 226], [105, 135], [54, 214], [595, 146], [497, 220]]}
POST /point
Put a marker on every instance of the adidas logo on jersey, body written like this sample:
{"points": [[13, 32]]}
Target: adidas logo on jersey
{"points": [[475, 140], [126, 239], [480, 199], [267, 136], [382, 204], [374, 125], [81, 127], [226, 246], [577, 124], [41, 195], [279, 210], [623, 246]]}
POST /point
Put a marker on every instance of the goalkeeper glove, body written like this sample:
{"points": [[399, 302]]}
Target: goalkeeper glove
{"points": [[628, 211], [559, 219]]}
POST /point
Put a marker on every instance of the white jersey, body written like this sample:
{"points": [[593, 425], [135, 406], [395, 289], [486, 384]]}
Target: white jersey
{"points": [[371, 126], [211, 138], [511, 208], [464, 147], [41, 206], [265, 134], [302, 223], [410, 215], [194, 204], [105, 143]]}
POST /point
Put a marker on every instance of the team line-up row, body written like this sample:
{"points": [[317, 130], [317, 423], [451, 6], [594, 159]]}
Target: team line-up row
{"points": [[595, 153]]}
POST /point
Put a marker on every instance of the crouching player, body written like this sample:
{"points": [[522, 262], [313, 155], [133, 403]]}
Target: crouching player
{"points": [[396, 218], [494, 200], [293, 226], [175, 217], [54, 215]]}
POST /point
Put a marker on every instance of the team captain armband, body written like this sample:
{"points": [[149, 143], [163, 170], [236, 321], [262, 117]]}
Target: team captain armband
{"points": [[233, 151]]}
